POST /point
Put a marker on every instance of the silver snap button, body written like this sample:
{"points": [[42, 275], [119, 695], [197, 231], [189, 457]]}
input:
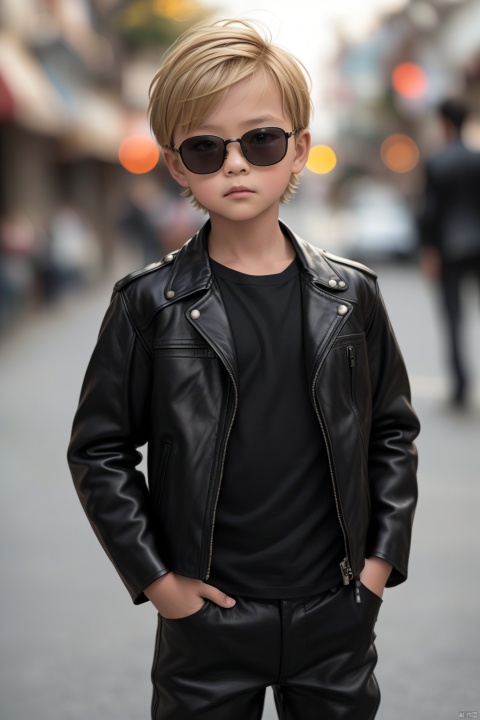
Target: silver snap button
{"points": [[332, 283], [342, 284], [168, 258], [342, 310], [170, 294], [195, 314]]}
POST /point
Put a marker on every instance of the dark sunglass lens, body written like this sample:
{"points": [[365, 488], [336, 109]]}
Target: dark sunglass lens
{"points": [[264, 146], [202, 154]]}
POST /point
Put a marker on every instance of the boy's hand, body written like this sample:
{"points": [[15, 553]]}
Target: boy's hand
{"points": [[177, 596], [375, 575]]}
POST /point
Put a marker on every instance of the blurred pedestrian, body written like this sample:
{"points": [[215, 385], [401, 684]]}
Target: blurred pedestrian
{"points": [[145, 203], [74, 248], [450, 232], [18, 251], [155, 220]]}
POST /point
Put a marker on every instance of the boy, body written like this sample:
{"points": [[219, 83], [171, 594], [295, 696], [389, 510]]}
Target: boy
{"points": [[265, 377]]}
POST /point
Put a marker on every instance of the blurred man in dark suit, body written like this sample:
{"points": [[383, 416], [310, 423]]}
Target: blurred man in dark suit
{"points": [[450, 231]]}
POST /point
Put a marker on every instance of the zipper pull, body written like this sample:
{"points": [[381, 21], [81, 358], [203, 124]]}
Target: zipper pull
{"points": [[358, 597], [346, 571], [351, 355]]}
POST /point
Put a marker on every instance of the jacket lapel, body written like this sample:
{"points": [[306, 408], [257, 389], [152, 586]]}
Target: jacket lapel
{"points": [[321, 324], [325, 309], [209, 317]]}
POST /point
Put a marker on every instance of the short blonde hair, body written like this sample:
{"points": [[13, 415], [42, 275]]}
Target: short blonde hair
{"points": [[203, 63]]}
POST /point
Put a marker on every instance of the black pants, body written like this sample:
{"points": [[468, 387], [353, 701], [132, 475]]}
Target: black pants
{"points": [[317, 653], [452, 280]]}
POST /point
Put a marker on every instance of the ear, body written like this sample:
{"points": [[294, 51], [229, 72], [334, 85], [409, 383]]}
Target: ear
{"points": [[175, 167], [302, 149]]}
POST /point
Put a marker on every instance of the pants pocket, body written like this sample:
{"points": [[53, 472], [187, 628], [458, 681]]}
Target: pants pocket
{"points": [[189, 618], [366, 592]]}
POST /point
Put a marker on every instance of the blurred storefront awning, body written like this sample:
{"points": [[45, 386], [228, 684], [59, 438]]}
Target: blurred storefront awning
{"points": [[460, 37], [90, 121], [28, 97], [98, 127]]}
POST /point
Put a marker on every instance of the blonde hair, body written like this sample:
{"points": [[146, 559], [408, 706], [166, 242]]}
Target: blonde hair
{"points": [[203, 63]]}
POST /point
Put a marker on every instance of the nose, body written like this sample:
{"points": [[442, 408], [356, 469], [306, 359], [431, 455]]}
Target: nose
{"points": [[235, 160]]}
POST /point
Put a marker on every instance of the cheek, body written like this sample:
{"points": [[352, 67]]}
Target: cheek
{"points": [[201, 186], [205, 188], [276, 182]]}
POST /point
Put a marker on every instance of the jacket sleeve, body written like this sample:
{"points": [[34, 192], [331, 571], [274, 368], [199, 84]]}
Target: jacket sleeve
{"points": [[110, 424], [392, 452]]}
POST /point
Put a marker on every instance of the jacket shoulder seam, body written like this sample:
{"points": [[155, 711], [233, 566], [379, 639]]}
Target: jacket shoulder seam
{"points": [[351, 263], [136, 274]]}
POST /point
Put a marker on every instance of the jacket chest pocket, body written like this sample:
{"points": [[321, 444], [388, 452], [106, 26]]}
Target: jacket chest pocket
{"points": [[183, 348], [351, 374]]}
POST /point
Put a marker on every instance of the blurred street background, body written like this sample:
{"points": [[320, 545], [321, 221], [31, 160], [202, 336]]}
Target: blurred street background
{"points": [[84, 199]]}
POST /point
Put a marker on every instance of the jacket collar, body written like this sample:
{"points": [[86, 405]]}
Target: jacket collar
{"points": [[192, 271]]}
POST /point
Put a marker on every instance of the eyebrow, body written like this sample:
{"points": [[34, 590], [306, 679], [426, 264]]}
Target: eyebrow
{"points": [[251, 123]]}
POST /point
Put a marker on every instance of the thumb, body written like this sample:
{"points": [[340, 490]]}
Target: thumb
{"points": [[217, 596]]}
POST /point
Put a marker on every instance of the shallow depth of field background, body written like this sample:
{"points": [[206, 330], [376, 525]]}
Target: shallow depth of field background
{"points": [[85, 199]]}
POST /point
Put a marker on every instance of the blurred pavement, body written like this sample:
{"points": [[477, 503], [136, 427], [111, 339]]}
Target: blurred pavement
{"points": [[72, 645]]}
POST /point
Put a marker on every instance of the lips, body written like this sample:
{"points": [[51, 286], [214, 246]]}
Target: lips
{"points": [[240, 189]]}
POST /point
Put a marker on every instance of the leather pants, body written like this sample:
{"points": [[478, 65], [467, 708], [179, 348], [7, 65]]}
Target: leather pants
{"points": [[317, 653]]}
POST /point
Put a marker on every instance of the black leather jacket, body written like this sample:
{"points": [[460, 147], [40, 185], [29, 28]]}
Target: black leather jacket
{"points": [[164, 372]]}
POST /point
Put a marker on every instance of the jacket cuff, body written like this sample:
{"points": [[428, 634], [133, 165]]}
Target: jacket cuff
{"points": [[138, 596]]}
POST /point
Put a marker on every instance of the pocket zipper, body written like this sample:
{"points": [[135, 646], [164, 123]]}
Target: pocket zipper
{"points": [[352, 364]]}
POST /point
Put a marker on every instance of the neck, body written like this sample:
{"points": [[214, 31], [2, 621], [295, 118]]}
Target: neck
{"points": [[255, 247]]}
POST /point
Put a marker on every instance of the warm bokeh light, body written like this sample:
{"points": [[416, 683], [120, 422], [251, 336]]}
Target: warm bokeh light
{"points": [[409, 80], [176, 9], [399, 153], [140, 11], [138, 153], [321, 159]]}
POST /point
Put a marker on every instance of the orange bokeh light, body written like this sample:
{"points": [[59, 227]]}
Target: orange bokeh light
{"points": [[399, 153], [409, 80], [138, 153]]}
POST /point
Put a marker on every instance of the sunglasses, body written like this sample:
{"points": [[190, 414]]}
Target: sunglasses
{"points": [[205, 154]]}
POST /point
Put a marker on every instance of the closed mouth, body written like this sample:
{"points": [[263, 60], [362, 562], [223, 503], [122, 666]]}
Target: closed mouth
{"points": [[239, 189]]}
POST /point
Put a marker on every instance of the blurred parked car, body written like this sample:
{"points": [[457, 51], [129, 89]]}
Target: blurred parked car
{"points": [[374, 222]]}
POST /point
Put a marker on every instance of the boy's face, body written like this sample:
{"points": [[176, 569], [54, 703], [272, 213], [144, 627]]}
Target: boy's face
{"points": [[240, 191]]}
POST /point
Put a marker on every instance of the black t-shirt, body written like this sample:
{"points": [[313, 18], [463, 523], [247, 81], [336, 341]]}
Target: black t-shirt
{"points": [[277, 533]]}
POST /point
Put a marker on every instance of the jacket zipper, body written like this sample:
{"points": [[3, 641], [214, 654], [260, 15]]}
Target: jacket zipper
{"points": [[352, 362], [210, 547], [345, 567], [351, 355]]}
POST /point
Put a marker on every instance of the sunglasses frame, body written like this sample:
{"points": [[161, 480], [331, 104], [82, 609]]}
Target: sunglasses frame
{"points": [[240, 140]]}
